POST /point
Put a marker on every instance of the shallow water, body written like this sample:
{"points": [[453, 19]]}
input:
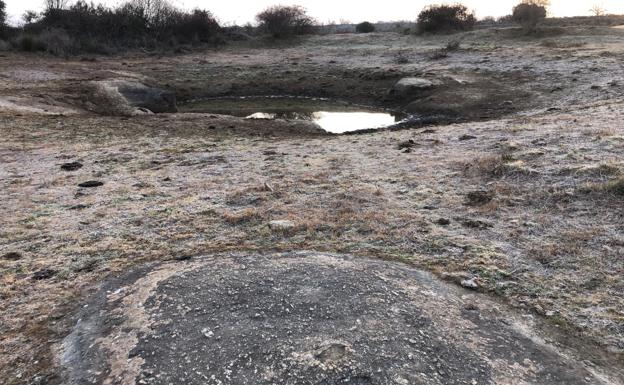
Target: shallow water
{"points": [[332, 116]]}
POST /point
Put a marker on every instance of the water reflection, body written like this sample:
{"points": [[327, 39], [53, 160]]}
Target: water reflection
{"points": [[333, 117], [336, 122]]}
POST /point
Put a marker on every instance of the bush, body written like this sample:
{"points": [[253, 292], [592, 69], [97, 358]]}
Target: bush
{"points": [[2, 13], [2, 17], [453, 45], [365, 27], [528, 15], [198, 26], [445, 18], [285, 21], [88, 27], [57, 42], [29, 43]]}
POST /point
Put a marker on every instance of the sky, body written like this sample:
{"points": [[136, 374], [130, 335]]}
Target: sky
{"points": [[243, 11]]}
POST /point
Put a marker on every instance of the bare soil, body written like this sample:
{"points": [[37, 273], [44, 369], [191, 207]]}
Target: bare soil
{"points": [[520, 196]]}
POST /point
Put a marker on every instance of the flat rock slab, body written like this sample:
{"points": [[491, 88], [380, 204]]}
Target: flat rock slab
{"points": [[303, 318]]}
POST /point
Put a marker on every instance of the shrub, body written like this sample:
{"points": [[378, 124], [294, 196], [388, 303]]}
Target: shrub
{"points": [[144, 23], [57, 42], [285, 21], [2, 14], [529, 15], [453, 45], [29, 43], [199, 25], [365, 27], [445, 18]]}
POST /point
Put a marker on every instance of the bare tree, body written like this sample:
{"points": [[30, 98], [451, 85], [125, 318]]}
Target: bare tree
{"points": [[539, 3], [30, 17], [50, 5], [2, 13], [154, 10], [598, 10]]}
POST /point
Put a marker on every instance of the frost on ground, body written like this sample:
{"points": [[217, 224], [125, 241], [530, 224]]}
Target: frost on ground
{"points": [[527, 207]]}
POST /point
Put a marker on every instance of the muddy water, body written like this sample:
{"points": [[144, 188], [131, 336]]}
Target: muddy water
{"points": [[332, 116]]}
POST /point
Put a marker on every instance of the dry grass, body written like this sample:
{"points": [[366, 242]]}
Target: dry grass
{"points": [[244, 216], [616, 187], [496, 166], [173, 187]]}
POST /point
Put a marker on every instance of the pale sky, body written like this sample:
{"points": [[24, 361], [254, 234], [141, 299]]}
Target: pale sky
{"points": [[242, 11]]}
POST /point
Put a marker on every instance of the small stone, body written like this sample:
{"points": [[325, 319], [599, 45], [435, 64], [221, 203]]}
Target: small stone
{"points": [[79, 207], [44, 274], [207, 333], [91, 183], [471, 283], [282, 225], [73, 166], [443, 222], [467, 137], [408, 86], [12, 256]]}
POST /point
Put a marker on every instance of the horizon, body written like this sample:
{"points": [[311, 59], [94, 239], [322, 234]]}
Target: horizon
{"points": [[324, 11]]}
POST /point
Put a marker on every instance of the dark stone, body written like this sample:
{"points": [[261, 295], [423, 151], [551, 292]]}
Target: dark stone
{"points": [[467, 137], [479, 198], [91, 183], [475, 223], [79, 207], [73, 166], [44, 274], [443, 222], [12, 256], [406, 144]]}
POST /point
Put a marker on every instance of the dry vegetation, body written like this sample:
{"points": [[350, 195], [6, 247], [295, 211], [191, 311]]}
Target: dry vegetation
{"points": [[531, 205]]}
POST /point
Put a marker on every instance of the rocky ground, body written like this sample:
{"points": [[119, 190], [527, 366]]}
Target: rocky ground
{"points": [[305, 318], [525, 203]]}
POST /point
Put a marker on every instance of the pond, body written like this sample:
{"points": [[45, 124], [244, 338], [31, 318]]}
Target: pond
{"points": [[332, 116]]}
